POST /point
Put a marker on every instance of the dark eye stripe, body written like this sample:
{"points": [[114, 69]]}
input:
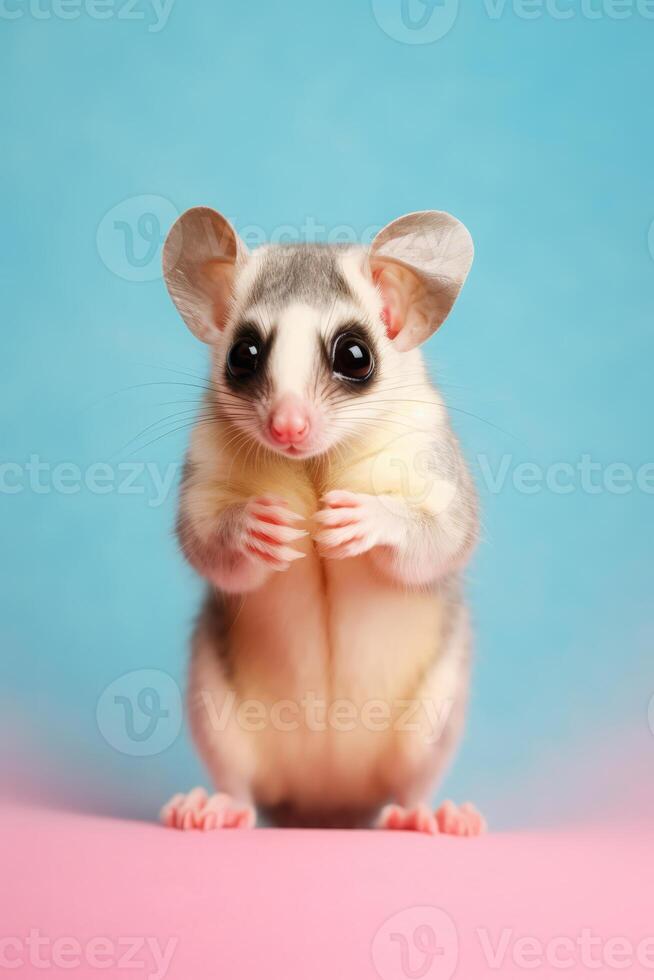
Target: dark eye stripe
{"points": [[247, 358]]}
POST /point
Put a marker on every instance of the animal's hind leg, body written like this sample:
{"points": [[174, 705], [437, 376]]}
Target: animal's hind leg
{"points": [[442, 699], [221, 743]]}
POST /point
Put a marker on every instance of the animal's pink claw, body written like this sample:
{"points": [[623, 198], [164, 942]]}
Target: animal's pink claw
{"points": [[341, 498], [199, 811], [269, 529], [350, 524], [463, 821]]}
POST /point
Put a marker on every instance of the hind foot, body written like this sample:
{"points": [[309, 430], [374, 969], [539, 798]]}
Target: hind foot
{"points": [[458, 821], [199, 811]]}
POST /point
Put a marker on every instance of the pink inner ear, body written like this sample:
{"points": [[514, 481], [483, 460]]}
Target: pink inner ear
{"points": [[218, 276], [390, 313]]}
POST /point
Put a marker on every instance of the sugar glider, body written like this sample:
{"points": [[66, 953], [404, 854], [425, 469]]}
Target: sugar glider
{"points": [[326, 503]]}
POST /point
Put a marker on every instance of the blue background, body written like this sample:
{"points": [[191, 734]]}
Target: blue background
{"points": [[538, 134]]}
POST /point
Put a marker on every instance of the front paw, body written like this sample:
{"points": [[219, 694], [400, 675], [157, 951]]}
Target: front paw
{"points": [[268, 529], [351, 524]]}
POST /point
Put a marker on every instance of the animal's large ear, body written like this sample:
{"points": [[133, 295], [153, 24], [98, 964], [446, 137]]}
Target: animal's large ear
{"points": [[200, 256], [420, 263]]}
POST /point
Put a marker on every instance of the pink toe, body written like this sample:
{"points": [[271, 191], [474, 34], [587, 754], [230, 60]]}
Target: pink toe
{"points": [[197, 811], [419, 819], [397, 818], [459, 827], [445, 816], [476, 822], [168, 812], [245, 819], [426, 821], [209, 821], [463, 821]]}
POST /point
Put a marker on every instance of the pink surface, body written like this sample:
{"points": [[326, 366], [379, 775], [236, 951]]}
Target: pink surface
{"points": [[320, 905]]}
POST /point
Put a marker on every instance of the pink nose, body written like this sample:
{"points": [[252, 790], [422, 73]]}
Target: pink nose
{"points": [[289, 421]]}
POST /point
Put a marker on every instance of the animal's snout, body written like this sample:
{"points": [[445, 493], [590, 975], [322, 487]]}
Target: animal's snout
{"points": [[289, 421]]}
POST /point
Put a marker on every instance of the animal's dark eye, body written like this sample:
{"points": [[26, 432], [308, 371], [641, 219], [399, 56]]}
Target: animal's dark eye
{"points": [[243, 358], [352, 358]]}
